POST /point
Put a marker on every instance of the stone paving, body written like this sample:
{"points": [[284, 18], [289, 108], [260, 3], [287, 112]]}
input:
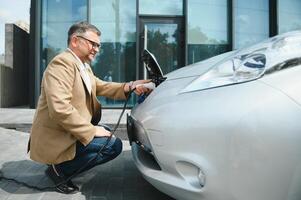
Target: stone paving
{"points": [[115, 180]]}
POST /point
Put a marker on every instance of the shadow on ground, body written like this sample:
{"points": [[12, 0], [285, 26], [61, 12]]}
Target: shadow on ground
{"points": [[118, 179]]}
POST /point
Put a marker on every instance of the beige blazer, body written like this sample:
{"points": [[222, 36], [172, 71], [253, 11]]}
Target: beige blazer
{"points": [[65, 109]]}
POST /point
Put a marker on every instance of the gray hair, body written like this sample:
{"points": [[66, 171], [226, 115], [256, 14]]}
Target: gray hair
{"points": [[80, 28]]}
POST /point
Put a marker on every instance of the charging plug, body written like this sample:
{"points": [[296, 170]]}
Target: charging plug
{"points": [[141, 98], [149, 85]]}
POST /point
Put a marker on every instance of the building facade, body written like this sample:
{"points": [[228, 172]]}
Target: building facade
{"points": [[177, 32]]}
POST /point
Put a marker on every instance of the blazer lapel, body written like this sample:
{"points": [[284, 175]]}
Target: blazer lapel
{"points": [[83, 72]]}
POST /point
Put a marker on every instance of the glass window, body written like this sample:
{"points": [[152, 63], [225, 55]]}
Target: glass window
{"points": [[207, 38], [251, 22], [57, 17], [167, 7], [117, 58], [289, 15], [163, 41]]}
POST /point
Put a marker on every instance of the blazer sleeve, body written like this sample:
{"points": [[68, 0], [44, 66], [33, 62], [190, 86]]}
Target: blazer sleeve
{"points": [[58, 83], [111, 90]]}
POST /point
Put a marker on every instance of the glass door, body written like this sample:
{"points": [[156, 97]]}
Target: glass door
{"points": [[164, 37]]}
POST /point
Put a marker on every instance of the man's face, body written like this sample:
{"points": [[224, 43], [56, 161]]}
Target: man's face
{"points": [[88, 46]]}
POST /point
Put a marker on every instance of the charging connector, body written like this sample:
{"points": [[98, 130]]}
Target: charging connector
{"points": [[149, 85]]}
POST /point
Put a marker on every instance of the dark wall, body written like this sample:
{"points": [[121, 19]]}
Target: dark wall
{"points": [[32, 54], [14, 75]]}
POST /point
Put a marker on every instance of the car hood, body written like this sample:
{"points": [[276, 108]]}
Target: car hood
{"points": [[198, 68]]}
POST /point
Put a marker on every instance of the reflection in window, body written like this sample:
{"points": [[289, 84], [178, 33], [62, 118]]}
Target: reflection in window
{"points": [[57, 17], [207, 39], [289, 15], [162, 42], [251, 20], [167, 7], [116, 61]]}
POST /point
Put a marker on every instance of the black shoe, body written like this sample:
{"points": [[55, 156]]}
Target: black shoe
{"points": [[60, 181], [71, 184]]}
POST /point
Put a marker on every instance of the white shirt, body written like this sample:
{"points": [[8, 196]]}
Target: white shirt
{"points": [[83, 71]]}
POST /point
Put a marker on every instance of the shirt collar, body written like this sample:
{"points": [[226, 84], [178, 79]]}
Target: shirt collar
{"points": [[85, 65]]}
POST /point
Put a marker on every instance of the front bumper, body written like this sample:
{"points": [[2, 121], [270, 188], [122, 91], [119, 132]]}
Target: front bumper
{"points": [[176, 184]]}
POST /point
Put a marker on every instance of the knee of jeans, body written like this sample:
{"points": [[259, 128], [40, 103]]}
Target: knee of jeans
{"points": [[117, 146]]}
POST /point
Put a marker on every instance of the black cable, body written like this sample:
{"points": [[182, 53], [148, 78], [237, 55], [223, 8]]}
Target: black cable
{"points": [[2, 177]]}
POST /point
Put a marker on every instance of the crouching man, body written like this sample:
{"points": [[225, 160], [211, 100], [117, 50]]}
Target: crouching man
{"points": [[63, 135]]}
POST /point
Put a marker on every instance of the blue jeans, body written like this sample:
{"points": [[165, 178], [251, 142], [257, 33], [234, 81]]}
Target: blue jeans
{"points": [[85, 153]]}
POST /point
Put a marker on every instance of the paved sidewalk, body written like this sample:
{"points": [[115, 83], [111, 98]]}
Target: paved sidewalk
{"points": [[25, 116], [116, 180]]}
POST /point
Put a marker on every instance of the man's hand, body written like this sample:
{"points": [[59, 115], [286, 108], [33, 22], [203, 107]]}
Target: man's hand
{"points": [[102, 132], [138, 86]]}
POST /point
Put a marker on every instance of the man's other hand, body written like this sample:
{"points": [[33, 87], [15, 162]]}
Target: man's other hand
{"points": [[102, 132]]}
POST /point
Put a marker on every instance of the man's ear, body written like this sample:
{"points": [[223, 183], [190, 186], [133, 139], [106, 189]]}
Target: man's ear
{"points": [[73, 42]]}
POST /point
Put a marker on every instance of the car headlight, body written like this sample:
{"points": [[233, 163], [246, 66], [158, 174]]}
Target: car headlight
{"points": [[238, 69], [250, 63]]}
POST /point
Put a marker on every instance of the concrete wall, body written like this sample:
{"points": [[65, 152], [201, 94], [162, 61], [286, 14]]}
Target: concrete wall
{"points": [[14, 74], [2, 59]]}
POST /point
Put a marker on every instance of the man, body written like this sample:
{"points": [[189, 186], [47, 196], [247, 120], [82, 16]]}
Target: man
{"points": [[62, 134]]}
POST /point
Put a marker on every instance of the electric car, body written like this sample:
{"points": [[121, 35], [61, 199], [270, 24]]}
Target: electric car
{"points": [[226, 128]]}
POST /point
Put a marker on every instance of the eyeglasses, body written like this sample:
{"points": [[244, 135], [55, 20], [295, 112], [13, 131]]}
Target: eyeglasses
{"points": [[94, 44]]}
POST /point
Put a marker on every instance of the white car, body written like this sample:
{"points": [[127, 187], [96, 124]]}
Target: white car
{"points": [[227, 128]]}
